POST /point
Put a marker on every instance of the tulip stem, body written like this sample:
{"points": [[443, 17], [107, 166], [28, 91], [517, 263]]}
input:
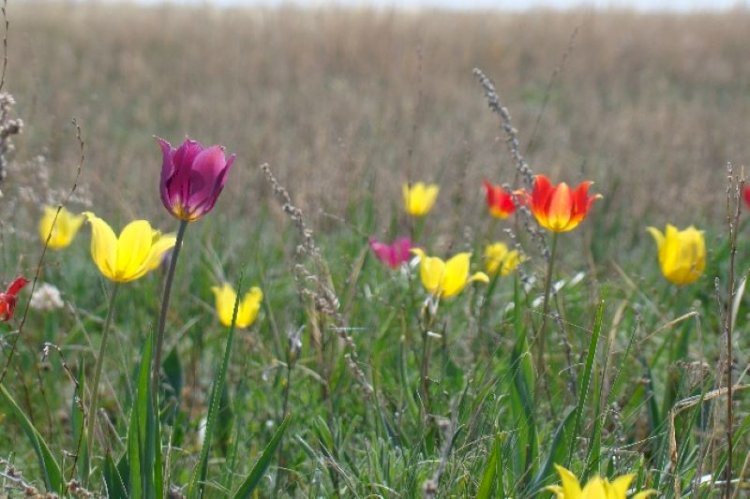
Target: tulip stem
{"points": [[98, 369], [541, 336], [156, 366]]}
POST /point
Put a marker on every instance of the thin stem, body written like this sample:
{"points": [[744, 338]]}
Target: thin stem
{"points": [[541, 335], [425, 370], [733, 222], [98, 369], [156, 366]]}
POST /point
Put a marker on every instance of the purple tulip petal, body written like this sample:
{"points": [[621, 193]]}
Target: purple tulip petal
{"points": [[192, 177]]}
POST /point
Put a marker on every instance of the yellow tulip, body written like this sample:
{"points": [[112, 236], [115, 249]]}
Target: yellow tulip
{"points": [[682, 253], [499, 259], [419, 198], [445, 279], [60, 231], [138, 250], [247, 310], [596, 488]]}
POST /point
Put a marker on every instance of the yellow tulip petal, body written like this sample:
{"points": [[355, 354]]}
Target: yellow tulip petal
{"points": [[494, 255], [455, 275], [225, 298], [511, 262], [658, 237], [479, 277], [431, 270], [618, 488], [419, 198], [249, 307], [103, 245], [595, 489], [557, 490], [430, 196], [60, 227], [133, 248], [644, 494], [161, 245], [570, 485], [682, 253]]}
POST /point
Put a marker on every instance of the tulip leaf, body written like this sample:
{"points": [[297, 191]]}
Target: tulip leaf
{"points": [[198, 479], [492, 473], [586, 379], [53, 478], [144, 446], [256, 474], [556, 450], [114, 480]]}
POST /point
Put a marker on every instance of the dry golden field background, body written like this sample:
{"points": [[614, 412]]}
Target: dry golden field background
{"points": [[650, 106]]}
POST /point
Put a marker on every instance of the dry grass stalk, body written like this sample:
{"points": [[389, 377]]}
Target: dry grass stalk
{"points": [[683, 405], [315, 284]]}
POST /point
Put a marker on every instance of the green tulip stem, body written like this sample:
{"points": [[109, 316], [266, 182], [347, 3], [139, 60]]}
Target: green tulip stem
{"points": [[156, 366], [541, 336], [98, 369]]}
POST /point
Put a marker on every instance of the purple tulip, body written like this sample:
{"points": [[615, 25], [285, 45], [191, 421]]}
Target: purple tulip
{"points": [[192, 178], [393, 254]]}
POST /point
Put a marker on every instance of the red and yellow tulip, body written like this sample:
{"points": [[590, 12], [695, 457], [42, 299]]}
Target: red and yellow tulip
{"points": [[499, 201], [558, 208]]}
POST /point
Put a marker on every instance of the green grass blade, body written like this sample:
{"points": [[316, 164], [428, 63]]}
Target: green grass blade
{"points": [[144, 456], [256, 474], [135, 478], [586, 380], [556, 450], [77, 421], [113, 480], [51, 472], [200, 472], [489, 477]]}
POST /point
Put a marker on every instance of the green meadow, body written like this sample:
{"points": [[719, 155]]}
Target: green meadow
{"points": [[356, 369]]}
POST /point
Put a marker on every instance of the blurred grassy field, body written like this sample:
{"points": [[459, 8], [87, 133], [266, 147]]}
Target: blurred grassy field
{"points": [[346, 105], [651, 107]]}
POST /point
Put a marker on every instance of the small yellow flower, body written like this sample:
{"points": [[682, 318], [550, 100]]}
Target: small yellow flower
{"points": [[499, 259], [247, 310], [445, 279], [596, 488], [61, 231], [682, 253], [419, 198], [137, 251]]}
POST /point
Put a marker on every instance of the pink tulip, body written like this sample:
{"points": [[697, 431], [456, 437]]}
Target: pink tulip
{"points": [[192, 178], [393, 254]]}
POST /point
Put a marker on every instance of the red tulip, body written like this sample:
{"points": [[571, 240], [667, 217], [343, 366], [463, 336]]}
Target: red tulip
{"points": [[499, 201], [558, 208], [8, 299]]}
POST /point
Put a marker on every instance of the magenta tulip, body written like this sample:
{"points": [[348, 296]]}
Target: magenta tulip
{"points": [[192, 178], [393, 254]]}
